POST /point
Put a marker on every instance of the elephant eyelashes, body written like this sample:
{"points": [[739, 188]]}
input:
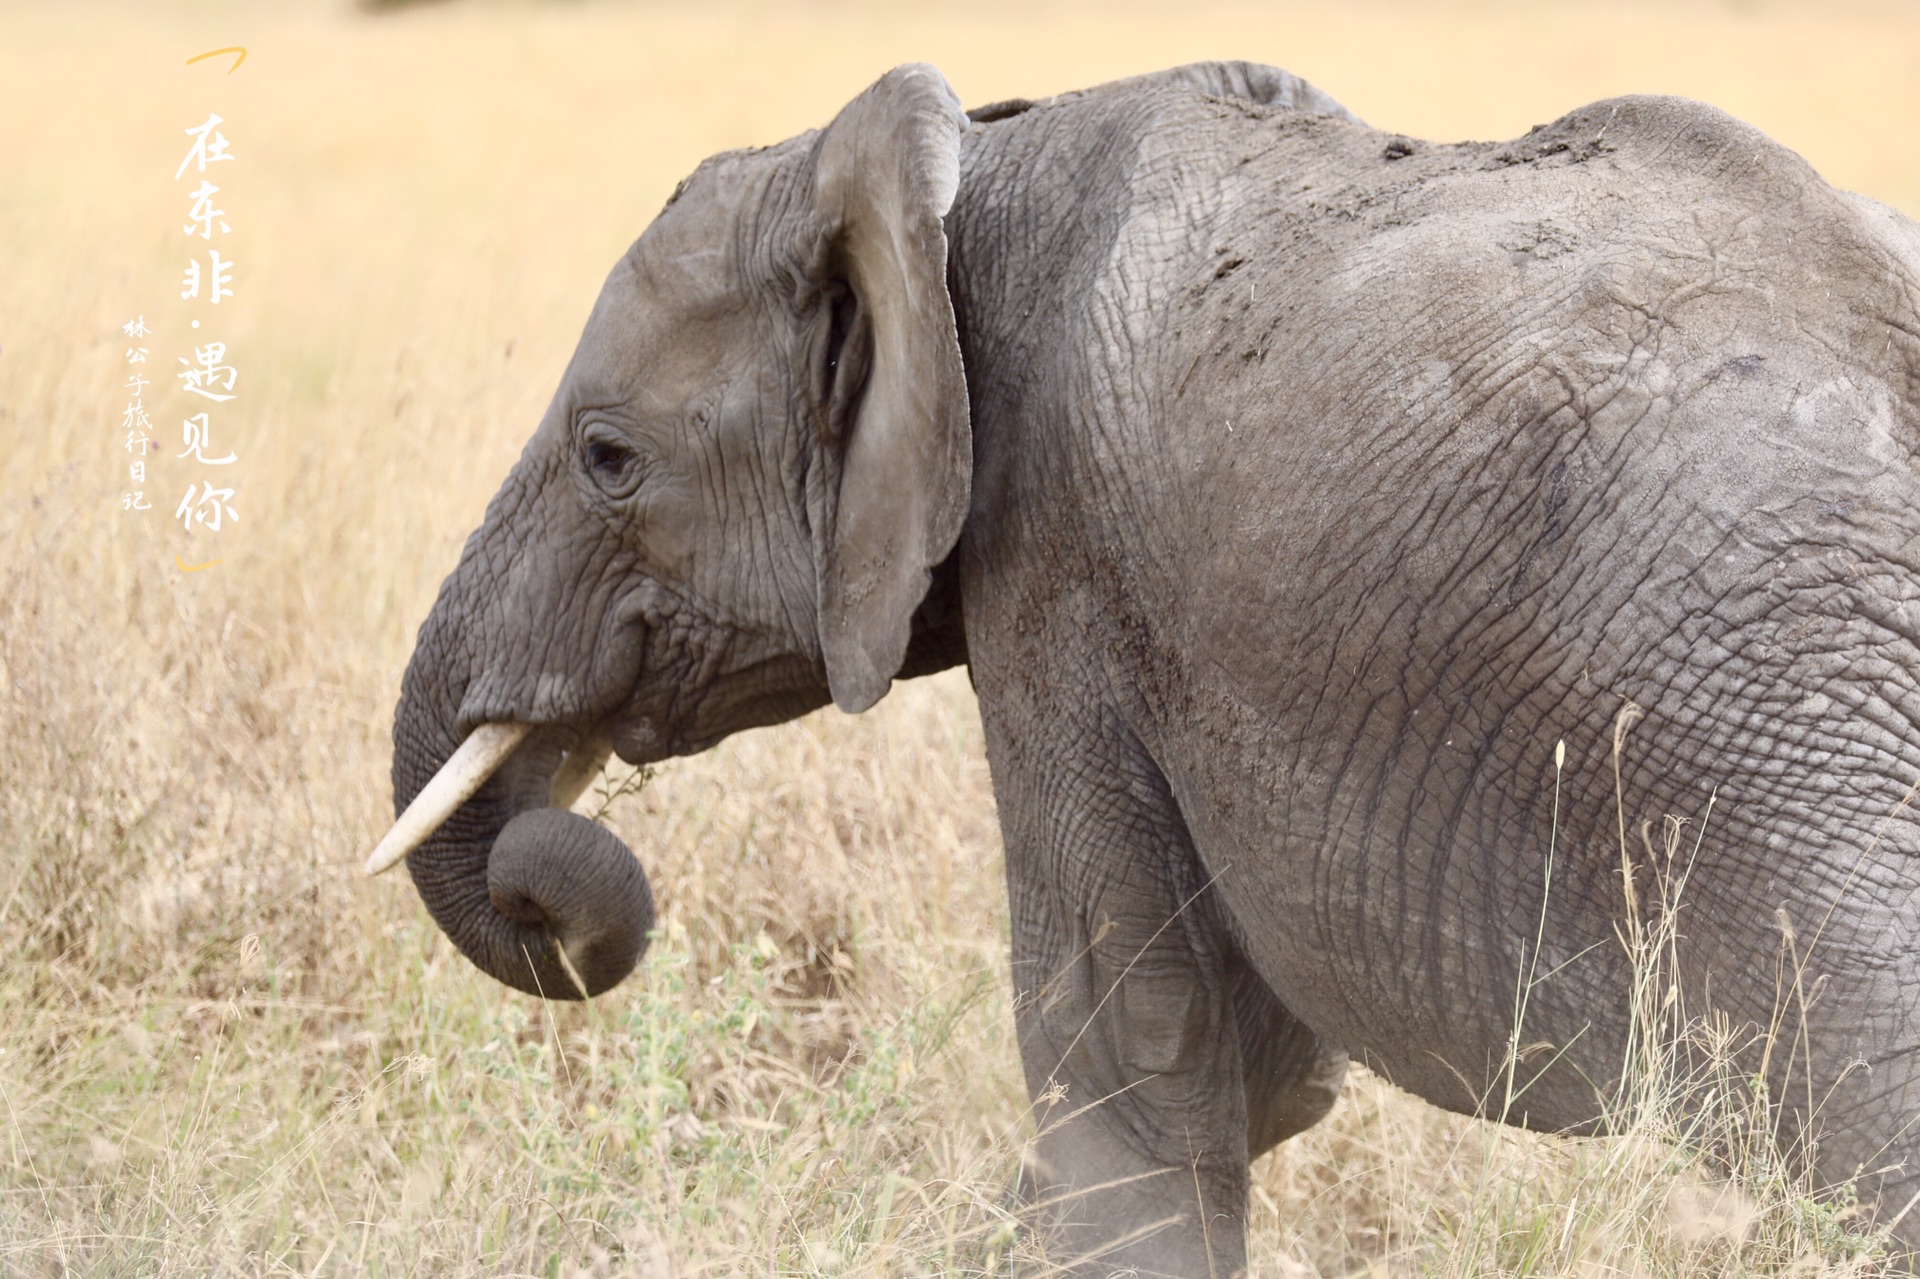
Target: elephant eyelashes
{"points": [[614, 467]]}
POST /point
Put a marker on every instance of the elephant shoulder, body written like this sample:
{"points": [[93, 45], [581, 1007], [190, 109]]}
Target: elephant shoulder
{"points": [[1893, 232], [1254, 83], [1689, 155], [1655, 134]]}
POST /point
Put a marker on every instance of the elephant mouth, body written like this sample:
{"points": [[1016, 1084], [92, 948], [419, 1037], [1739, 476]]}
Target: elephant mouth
{"points": [[681, 713], [660, 719], [484, 752]]}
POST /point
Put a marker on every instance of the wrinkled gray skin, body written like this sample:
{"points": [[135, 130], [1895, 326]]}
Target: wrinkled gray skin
{"points": [[1289, 490]]}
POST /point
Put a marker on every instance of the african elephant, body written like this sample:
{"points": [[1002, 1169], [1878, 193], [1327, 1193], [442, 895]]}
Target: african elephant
{"points": [[1289, 491]]}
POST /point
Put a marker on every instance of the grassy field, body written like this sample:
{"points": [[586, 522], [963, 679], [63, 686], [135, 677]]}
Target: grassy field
{"points": [[224, 1052]]}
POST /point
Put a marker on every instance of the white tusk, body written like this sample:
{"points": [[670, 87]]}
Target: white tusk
{"points": [[582, 764], [485, 749]]}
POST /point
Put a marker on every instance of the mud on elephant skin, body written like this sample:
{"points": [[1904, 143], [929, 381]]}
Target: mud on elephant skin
{"points": [[1288, 489]]}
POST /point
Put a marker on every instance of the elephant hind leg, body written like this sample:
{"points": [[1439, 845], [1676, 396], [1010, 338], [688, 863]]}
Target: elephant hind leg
{"points": [[1292, 1077]]}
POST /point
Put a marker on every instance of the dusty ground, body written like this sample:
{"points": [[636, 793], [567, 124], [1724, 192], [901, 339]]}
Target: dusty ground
{"points": [[224, 1052]]}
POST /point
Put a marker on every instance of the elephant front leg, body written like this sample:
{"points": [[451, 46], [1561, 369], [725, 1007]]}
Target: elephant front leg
{"points": [[1126, 1024], [1292, 1076]]}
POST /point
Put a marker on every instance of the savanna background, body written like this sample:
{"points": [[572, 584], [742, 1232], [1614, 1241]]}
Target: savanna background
{"points": [[225, 1052]]}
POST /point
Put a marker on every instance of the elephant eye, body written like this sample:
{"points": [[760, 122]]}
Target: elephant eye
{"points": [[612, 465], [606, 458]]}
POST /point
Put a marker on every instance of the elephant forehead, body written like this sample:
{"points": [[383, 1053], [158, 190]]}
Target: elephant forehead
{"points": [[716, 235], [693, 265], [658, 289], [660, 338], [683, 263]]}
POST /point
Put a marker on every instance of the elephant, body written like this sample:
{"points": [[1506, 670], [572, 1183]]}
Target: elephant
{"points": [[1358, 547]]}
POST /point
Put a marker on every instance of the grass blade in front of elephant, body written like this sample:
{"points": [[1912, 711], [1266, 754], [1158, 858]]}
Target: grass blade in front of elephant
{"points": [[610, 791], [1684, 1175]]}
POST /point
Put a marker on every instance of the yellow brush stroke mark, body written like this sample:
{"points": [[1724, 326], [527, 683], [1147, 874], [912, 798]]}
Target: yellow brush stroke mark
{"points": [[214, 53], [194, 568]]}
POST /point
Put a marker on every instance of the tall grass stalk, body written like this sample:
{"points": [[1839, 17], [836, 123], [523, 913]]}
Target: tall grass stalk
{"points": [[1686, 1175]]}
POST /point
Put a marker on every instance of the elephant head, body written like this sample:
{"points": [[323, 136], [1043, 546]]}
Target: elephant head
{"points": [[728, 516]]}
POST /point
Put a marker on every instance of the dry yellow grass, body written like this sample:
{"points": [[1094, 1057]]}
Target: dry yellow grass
{"points": [[223, 1052]]}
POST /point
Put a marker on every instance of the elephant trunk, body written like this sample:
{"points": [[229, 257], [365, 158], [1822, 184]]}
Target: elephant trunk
{"points": [[538, 897]]}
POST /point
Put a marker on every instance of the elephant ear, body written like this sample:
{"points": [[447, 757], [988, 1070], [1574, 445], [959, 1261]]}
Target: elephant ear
{"points": [[897, 438]]}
